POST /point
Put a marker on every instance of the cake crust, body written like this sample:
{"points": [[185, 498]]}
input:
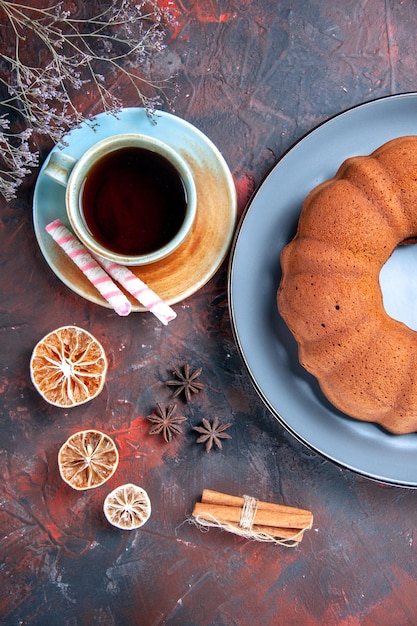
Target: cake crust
{"points": [[330, 295]]}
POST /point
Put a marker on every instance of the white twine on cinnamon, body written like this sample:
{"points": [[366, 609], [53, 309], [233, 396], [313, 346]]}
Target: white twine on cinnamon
{"points": [[248, 512], [245, 526]]}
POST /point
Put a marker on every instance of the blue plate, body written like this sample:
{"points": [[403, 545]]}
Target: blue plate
{"points": [[266, 345]]}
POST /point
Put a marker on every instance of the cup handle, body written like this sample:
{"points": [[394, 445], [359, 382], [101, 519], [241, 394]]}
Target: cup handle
{"points": [[59, 167]]}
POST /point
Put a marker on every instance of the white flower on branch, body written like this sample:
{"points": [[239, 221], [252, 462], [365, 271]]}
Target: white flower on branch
{"points": [[16, 158]]}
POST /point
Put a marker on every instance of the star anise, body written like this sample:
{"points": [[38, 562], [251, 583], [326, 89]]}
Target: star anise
{"points": [[165, 422], [212, 432], [186, 381]]}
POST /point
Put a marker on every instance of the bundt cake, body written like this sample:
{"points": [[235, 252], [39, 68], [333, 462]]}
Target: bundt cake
{"points": [[330, 295]]}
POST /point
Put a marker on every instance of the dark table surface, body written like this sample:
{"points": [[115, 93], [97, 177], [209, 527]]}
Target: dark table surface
{"points": [[254, 76]]}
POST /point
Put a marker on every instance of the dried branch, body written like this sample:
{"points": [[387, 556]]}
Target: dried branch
{"points": [[73, 53]]}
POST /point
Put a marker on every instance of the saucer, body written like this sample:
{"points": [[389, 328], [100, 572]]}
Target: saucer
{"points": [[192, 265]]}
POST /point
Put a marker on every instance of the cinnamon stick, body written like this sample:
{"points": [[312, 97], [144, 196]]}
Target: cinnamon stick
{"points": [[275, 519], [229, 509], [281, 533]]}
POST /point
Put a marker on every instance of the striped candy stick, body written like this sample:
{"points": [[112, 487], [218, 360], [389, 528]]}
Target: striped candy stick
{"points": [[89, 266], [138, 289]]}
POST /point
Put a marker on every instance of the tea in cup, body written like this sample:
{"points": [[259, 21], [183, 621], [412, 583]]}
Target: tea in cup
{"points": [[129, 198]]}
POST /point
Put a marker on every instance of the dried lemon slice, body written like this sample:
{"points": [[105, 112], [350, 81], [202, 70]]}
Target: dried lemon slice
{"points": [[68, 366], [127, 507], [87, 459]]}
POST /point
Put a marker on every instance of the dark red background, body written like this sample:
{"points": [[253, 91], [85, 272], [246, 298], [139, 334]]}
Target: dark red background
{"points": [[255, 76]]}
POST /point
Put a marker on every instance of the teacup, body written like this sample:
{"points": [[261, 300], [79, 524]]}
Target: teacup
{"points": [[129, 198]]}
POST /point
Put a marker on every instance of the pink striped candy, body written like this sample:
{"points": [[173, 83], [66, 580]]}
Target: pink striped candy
{"points": [[89, 266], [138, 289]]}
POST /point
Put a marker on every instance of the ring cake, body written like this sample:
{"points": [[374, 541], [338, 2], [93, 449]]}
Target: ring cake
{"points": [[330, 295]]}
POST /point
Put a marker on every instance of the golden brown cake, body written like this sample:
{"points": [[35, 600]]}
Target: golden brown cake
{"points": [[330, 295]]}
